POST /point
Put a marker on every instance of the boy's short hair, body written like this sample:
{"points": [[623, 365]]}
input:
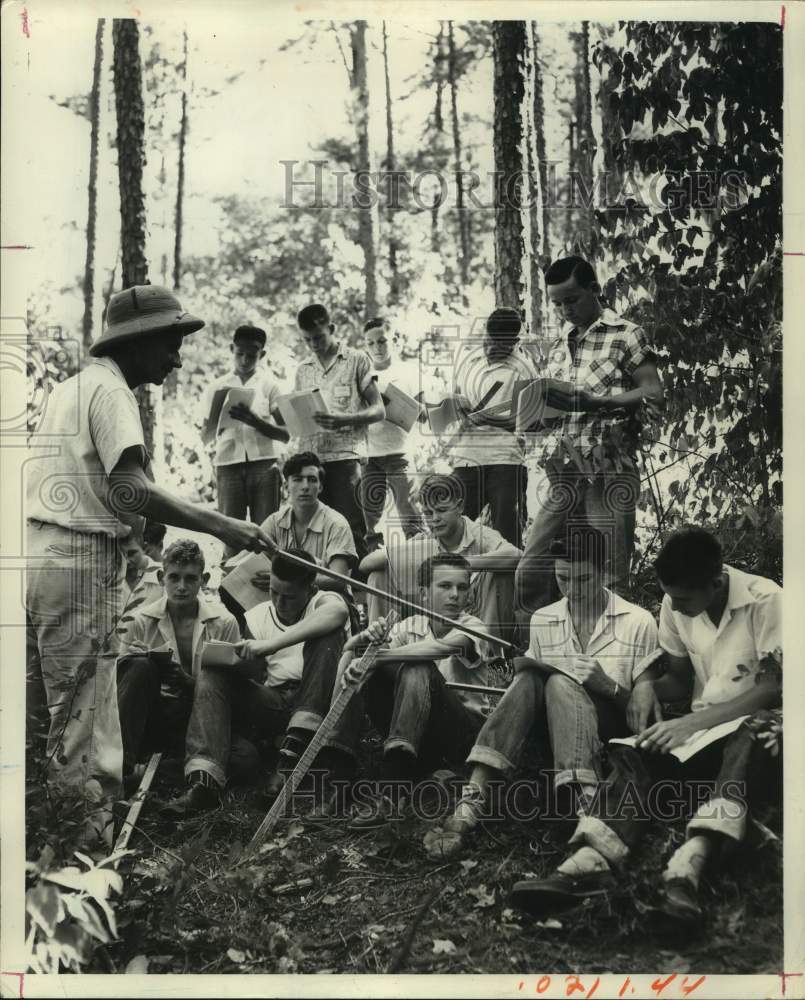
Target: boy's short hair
{"points": [[154, 533], [292, 572], [571, 267], [504, 322], [182, 553], [581, 543], [452, 560], [312, 317], [691, 557], [440, 488], [294, 465], [249, 334], [373, 324]]}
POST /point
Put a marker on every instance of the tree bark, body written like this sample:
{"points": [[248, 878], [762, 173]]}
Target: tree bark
{"points": [[463, 218], [539, 138], [392, 192], [178, 218], [536, 208], [360, 116], [92, 188], [585, 141], [130, 162], [508, 41]]}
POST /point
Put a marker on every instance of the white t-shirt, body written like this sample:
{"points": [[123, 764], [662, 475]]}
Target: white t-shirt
{"points": [[386, 438], [285, 665], [750, 627]]}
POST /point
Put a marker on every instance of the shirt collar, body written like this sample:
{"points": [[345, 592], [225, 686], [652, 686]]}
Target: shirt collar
{"points": [[607, 318], [739, 594], [559, 611], [106, 362], [316, 523]]}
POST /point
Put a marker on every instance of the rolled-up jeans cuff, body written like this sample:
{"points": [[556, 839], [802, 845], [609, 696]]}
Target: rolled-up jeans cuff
{"points": [[578, 776], [399, 743], [215, 771], [302, 719], [492, 758], [343, 747], [719, 815], [595, 833]]}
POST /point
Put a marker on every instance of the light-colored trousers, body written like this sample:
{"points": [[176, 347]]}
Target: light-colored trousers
{"points": [[73, 604]]}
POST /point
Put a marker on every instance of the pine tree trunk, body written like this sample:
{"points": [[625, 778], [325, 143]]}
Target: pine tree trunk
{"points": [[463, 218], [585, 142], [508, 39], [92, 188], [533, 217], [360, 113], [130, 162], [179, 219], [539, 138], [391, 192]]}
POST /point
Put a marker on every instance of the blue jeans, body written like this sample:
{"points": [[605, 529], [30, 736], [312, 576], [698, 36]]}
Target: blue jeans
{"points": [[578, 725], [414, 712], [503, 487], [253, 487], [224, 703], [381, 474]]}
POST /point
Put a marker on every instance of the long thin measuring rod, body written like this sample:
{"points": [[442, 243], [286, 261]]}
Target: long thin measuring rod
{"points": [[475, 633], [134, 812]]}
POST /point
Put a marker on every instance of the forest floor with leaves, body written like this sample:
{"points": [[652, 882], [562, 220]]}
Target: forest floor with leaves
{"points": [[322, 898]]}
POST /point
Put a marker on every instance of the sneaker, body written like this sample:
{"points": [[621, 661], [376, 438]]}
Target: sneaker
{"points": [[468, 812], [542, 897], [202, 794], [377, 813]]}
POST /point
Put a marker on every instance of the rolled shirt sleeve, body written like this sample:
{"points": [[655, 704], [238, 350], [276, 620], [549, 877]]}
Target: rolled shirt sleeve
{"points": [[646, 641], [669, 637], [115, 426]]}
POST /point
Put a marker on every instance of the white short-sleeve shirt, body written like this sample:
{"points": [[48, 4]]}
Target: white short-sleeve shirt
{"points": [[623, 636], [750, 628], [239, 442]]}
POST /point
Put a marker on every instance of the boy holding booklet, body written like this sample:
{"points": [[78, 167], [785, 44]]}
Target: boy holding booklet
{"points": [[282, 683], [245, 435], [161, 655], [721, 631], [586, 652]]}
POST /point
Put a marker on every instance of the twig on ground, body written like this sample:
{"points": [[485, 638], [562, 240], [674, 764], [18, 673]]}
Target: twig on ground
{"points": [[405, 946]]}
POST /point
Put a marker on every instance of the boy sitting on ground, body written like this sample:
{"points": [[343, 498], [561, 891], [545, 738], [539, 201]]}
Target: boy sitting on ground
{"points": [[576, 681], [423, 722], [721, 630], [161, 656], [284, 684]]}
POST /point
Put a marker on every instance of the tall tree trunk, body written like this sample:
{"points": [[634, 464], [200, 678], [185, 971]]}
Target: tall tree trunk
{"points": [[463, 219], [360, 116], [508, 41], [438, 116], [392, 191], [179, 220], [92, 188], [585, 142], [539, 137], [533, 216], [130, 162]]}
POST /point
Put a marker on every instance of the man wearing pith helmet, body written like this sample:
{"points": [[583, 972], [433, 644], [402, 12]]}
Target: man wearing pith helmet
{"points": [[88, 485]]}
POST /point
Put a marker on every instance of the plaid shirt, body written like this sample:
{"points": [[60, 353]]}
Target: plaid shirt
{"points": [[607, 354]]}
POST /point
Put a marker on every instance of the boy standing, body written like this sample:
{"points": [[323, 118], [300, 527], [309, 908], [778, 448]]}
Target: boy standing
{"points": [[721, 630], [422, 721], [246, 452], [387, 465], [293, 647], [488, 456], [344, 377], [154, 698]]}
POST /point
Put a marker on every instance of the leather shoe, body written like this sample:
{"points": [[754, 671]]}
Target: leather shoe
{"points": [[199, 797], [680, 901], [541, 897]]}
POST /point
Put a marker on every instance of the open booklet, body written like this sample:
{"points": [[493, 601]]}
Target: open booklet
{"points": [[222, 401], [449, 411], [238, 581], [401, 409], [533, 407], [298, 408], [568, 671], [694, 743]]}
